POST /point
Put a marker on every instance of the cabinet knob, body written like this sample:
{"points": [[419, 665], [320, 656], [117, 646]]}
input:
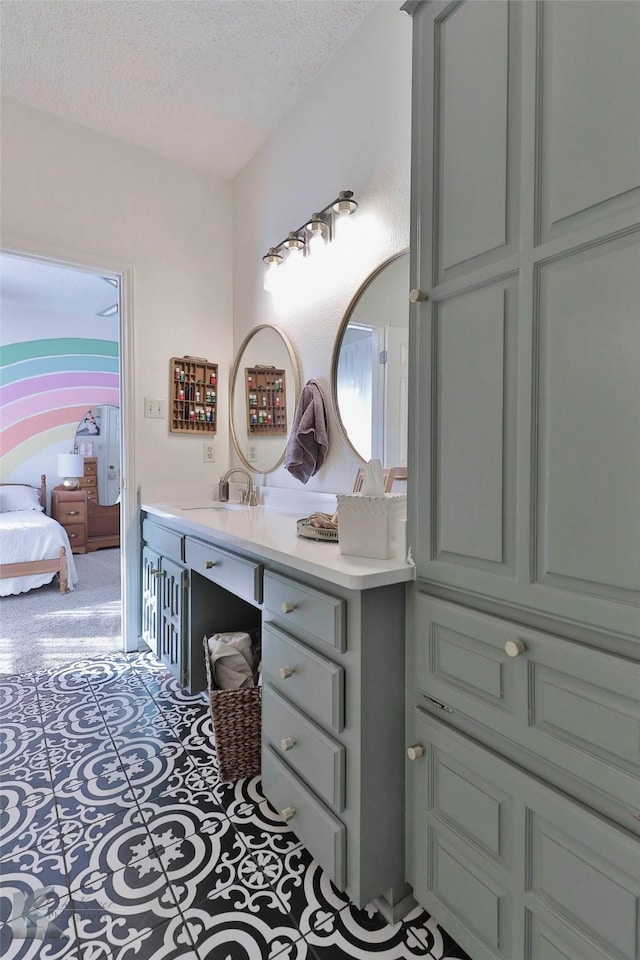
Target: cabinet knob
{"points": [[288, 607], [286, 672], [287, 814], [415, 751], [72, 536], [72, 513], [417, 296], [287, 744], [513, 648], [209, 564]]}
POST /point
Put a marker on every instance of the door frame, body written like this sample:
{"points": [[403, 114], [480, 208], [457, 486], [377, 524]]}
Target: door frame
{"points": [[129, 527]]}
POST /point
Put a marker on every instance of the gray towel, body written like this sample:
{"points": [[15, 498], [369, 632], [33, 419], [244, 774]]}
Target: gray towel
{"points": [[308, 441]]}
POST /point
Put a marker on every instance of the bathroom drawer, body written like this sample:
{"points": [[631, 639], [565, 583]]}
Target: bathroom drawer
{"points": [[303, 608], [324, 836], [303, 676], [316, 757], [568, 703], [242, 577], [167, 542]]}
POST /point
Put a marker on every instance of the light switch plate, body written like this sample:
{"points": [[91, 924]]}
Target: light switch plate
{"points": [[156, 409]]}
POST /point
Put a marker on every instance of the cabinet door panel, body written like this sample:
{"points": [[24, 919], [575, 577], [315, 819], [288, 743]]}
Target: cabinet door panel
{"points": [[150, 589], [474, 433], [587, 521], [474, 132], [562, 868], [588, 168], [171, 632]]}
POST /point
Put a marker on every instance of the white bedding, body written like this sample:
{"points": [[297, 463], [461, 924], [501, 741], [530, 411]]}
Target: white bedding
{"points": [[31, 535]]}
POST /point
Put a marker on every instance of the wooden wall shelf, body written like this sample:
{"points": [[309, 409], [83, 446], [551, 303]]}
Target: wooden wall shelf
{"points": [[193, 389], [266, 394]]}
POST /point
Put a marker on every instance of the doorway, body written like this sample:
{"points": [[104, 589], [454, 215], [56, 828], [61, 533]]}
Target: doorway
{"points": [[66, 328]]}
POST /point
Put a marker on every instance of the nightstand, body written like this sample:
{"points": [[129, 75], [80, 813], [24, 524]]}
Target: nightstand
{"points": [[69, 508]]}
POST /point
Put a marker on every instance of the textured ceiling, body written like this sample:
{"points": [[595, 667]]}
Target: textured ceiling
{"points": [[200, 81], [50, 287]]}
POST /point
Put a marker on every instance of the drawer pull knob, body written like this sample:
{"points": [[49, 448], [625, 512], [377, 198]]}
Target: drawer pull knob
{"points": [[286, 672], [72, 536], [287, 744], [287, 814], [288, 607], [72, 513], [513, 648], [417, 296], [209, 564], [415, 751]]}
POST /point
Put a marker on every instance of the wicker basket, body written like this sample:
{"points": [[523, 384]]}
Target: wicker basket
{"points": [[237, 727]]}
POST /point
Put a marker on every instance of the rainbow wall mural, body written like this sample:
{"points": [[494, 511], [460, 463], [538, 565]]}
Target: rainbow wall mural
{"points": [[46, 387]]}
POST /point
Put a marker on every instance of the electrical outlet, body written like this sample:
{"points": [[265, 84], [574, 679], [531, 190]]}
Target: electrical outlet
{"points": [[209, 453], [251, 454], [156, 409]]}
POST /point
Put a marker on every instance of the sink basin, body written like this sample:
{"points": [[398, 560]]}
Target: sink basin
{"points": [[220, 506]]}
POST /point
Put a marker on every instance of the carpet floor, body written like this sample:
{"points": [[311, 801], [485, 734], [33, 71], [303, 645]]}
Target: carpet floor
{"points": [[45, 629]]}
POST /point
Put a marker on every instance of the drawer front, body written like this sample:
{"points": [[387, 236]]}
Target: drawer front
{"points": [[90, 467], [165, 541], [316, 757], [240, 576], [324, 836], [71, 512], [303, 608], [304, 677], [568, 703], [88, 483], [77, 533]]}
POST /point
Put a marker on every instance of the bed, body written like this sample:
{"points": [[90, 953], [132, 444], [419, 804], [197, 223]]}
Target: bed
{"points": [[34, 548]]}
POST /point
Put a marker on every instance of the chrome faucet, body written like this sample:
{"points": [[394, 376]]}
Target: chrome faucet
{"points": [[247, 496]]}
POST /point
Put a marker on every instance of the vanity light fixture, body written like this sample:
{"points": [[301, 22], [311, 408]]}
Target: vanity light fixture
{"points": [[321, 229]]}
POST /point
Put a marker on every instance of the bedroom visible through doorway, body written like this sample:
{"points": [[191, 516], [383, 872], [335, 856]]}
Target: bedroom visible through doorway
{"points": [[61, 393]]}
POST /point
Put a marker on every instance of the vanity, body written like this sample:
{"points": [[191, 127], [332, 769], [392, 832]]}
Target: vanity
{"points": [[333, 666]]}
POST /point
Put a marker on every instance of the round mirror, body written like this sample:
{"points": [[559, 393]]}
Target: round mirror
{"points": [[265, 385], [98, 438], [370, 366]]}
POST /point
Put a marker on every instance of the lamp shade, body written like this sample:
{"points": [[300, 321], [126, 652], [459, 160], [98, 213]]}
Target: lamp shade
{"points": [[70, 467]]}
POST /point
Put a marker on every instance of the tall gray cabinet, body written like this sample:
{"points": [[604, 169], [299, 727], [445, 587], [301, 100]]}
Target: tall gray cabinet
{"points": [[523, 659]]}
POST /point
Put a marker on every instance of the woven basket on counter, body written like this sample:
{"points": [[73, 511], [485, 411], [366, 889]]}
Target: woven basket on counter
{"points": [[237, 727]]}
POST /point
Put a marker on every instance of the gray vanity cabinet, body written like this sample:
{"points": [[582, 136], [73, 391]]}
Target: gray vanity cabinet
{"points": [[524, 476], [332, 727]]}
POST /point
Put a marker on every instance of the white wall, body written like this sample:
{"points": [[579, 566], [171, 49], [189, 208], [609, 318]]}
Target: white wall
{"points": [[350, 131], [68, 187]]}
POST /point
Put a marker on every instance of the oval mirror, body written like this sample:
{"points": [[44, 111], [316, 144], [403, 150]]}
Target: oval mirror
{"points": [[265, 385], [370, 365], [98, 435]]}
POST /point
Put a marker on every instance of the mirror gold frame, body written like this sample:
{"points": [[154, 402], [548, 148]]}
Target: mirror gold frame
{"points": [[239, 361], [348, 316]]}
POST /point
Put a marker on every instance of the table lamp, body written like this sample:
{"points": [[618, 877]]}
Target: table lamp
{"points": [[70, 467]]}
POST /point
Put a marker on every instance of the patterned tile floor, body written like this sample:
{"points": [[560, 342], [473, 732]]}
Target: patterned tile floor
{"points": [[117, 840]]}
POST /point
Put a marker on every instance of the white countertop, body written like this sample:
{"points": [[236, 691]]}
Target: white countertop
{"points": [[269, 533]]}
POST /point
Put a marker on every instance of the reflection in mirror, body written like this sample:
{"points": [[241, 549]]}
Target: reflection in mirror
{"points": [[370, 365], [265, 385], [98, 435]]}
